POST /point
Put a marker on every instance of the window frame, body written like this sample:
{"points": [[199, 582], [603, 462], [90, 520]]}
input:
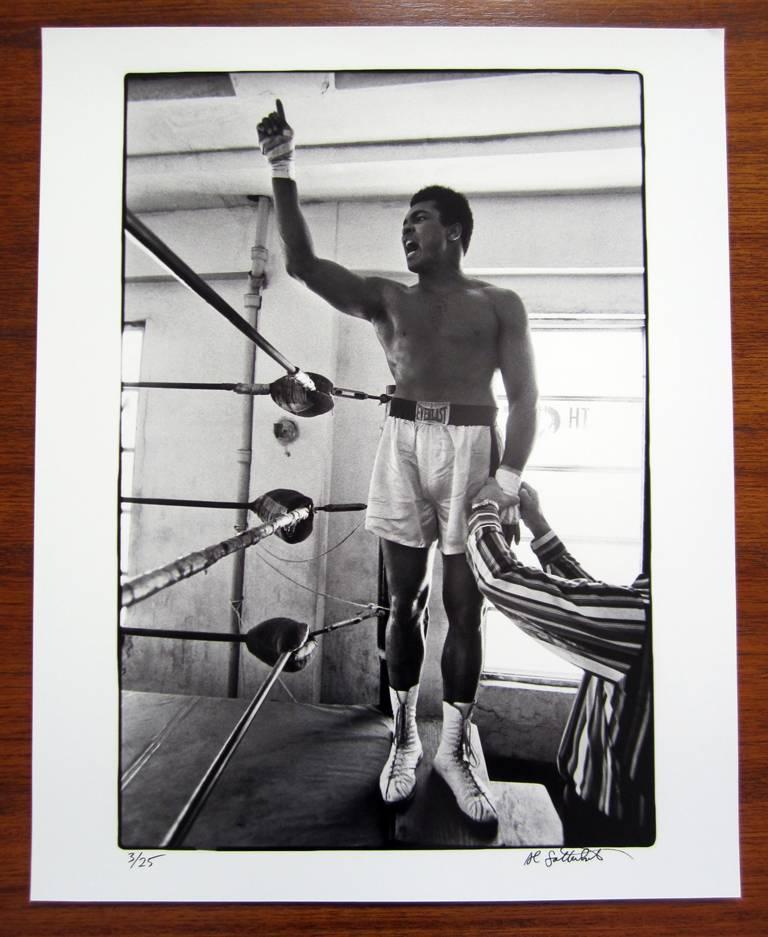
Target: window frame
{"points": [[607, 323], [125, 511]]}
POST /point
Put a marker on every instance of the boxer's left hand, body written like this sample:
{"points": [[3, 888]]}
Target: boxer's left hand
{"points": [[509, 482], [493, 491], [509, 510]]}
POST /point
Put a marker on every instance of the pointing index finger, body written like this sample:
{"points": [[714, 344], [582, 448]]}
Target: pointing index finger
{"points": [[280, 111]]}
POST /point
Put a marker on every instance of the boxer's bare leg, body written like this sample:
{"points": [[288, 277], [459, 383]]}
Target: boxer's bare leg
{"points": [[461, 663], [409, 572], [462, 657]]}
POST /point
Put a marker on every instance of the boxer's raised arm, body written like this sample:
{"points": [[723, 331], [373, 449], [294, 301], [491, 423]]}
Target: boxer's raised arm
{"points": [[347, 291]]}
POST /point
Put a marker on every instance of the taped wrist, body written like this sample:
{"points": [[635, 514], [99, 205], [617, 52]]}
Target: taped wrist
{"points": [[283, 168], [509, 480], [279, 152]]}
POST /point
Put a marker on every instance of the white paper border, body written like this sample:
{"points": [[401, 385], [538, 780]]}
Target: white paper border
{"points": [[75, 676]]}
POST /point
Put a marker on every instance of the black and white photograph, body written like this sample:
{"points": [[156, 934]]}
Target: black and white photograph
{"points": [[398, 442], [420, 292]]}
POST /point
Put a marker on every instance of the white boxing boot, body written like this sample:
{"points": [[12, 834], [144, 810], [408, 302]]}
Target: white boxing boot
{"points": [[456, 764], [398, 779]]}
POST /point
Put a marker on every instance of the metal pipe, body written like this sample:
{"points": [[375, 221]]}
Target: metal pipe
{"points": [[187, 276], [149, 583], [190, 811], [252, 303]]}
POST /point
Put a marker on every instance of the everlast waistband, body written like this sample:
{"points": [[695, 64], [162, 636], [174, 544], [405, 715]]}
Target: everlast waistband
{"points": [[451, 414]]}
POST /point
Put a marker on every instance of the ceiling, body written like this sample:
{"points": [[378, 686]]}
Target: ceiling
{"points": [[191, 139]]}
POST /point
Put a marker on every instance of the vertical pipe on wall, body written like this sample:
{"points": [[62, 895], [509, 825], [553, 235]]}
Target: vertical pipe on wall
{"points": [[252, 303]]}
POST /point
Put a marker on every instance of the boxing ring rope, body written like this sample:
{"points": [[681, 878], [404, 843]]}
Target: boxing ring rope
{"points": [[150, 583], [254, 390], [279, 519], [240, 387], [181, 826], [187, 635], [147, 584], [147, 239], [249, 505], [277, 642], [191, 810], [297, 640], [187, 276]]}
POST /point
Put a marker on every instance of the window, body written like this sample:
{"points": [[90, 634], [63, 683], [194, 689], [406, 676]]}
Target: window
{"points": [[133, 338], [587, 465]]}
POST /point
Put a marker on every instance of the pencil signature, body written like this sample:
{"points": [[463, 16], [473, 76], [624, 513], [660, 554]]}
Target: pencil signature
{"points": [[562, 856]]}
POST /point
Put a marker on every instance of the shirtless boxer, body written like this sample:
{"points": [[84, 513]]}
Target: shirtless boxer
{"points": [[444, 338]]}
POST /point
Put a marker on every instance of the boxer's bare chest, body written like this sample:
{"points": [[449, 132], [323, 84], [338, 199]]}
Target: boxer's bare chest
{"points": [[442, 339], [440, 320]]}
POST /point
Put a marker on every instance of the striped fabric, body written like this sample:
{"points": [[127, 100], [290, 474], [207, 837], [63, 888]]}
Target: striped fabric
{"points": [[606, 749]]}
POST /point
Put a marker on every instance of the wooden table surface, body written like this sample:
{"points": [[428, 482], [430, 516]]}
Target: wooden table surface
{"points": [[746, 24]]}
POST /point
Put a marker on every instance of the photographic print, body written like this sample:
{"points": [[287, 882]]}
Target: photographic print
{"points": [[550, 164], [388, 437]]}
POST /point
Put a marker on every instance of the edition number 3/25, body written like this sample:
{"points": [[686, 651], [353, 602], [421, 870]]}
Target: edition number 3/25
{"points": [[137, 860]]}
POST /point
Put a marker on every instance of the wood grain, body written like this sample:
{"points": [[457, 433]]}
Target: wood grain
{"points": [[746, 25]]}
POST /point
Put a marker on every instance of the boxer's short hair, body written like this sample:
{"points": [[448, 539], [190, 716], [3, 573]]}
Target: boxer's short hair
{"points": [[452, 206]]}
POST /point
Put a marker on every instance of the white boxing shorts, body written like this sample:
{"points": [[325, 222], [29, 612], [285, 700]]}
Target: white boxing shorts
{"points": [[431, 461]]}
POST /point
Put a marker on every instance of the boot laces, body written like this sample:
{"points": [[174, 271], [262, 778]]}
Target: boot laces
{"points": [[466, 757], [466, 753], [401, 741], [469, 761]]}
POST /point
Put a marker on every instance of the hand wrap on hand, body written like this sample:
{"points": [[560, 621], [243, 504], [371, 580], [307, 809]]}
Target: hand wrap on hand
{"points": [[279, 151], [509, 482], [276, 142]]}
